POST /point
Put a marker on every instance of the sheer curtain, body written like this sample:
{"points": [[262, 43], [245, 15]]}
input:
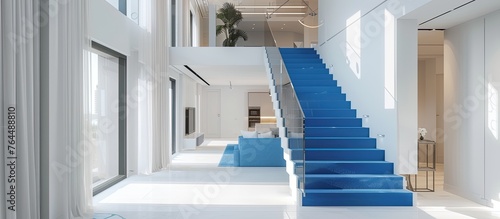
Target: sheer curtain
{"points": [[153, 152], [19, 77], [66, 184]]}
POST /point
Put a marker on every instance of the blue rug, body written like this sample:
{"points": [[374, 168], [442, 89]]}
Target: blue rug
{"points": [[227, 159]]}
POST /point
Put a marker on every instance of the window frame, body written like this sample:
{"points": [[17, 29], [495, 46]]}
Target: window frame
{"points": [[122, 118]]}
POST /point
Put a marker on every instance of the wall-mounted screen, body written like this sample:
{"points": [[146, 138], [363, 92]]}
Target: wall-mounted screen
{"points": [[190, 120]]}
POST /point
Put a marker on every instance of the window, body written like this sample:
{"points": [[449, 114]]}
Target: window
{"points": [[120, 5], [129, 8], [173, 26], [191, 25], [173, 115], [106, 101]]}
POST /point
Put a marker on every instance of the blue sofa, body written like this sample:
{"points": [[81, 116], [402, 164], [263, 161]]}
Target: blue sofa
{"points": [[258, 152]]}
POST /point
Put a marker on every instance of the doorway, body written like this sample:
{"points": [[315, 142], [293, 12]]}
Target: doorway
{"points": [[213, 128], [431, 96]]}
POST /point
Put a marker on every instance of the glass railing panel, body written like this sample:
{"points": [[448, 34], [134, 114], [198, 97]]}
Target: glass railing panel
{"points": [[291, 112], [258, 32]]}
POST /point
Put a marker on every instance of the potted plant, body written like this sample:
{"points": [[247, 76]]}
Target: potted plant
{"points": [[231, 17]]}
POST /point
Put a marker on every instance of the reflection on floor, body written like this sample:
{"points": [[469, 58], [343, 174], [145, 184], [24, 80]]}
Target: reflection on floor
{"points": [[194, 187]]}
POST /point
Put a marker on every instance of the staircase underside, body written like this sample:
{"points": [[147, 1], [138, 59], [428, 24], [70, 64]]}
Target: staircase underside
{"points": [[343, 166]]}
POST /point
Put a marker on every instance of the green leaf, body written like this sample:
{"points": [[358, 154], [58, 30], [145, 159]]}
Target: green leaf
{"points": [[231, 17]]}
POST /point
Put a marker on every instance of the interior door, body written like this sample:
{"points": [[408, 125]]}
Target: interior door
{"points": [[213, 126]]}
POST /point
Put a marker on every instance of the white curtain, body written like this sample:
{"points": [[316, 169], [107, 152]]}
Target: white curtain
{"points": [[19, 55], [66, 146], [153, 82]]}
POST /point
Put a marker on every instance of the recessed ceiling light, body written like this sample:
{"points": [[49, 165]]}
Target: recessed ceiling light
{"points": [[269, 6], [284, 13]]}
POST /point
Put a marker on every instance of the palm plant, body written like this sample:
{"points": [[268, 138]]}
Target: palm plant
{"points": [[231, 17]]}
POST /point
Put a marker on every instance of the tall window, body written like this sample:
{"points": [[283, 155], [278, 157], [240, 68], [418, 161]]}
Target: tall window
{"points": [[191, 25], [107, 116], [174, 22], [173, 115]]}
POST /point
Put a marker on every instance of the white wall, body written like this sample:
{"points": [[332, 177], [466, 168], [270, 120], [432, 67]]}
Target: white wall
{"points": [[472, 51], [492, 142], [362, 53], [189, 92], [234, 108]]}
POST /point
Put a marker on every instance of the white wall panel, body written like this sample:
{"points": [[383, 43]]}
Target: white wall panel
{"points": [[464, 110], [492, 142]]}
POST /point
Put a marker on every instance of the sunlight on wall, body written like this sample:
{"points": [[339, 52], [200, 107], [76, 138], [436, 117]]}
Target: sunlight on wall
{"points": [[390, 58], [353, 44], [493, 110], [496, 204]]}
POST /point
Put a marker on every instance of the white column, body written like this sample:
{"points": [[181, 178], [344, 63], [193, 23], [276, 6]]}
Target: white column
{"points": [[407, 95]]}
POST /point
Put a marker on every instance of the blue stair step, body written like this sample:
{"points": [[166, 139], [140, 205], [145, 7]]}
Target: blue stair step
{"points": [[321, 95], [317, 89], [303, 60], [357, 197], [315, 82], [307, 77], [311, 72], [300, 56], [311, 113], [353, 181], [305, 66], [349, 167], [340, 154], [330, 104], [297, 51], [340, 142], [332, 122], [337, 132]]}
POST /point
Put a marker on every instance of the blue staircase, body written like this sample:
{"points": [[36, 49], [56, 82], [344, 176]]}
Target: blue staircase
{"points": [[343, 166]]}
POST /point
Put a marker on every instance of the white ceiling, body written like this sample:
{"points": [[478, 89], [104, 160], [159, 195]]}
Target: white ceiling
{"points": [[436, 7], [277, 22]]}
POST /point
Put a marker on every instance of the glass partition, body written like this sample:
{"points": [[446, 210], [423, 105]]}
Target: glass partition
{"points": [[258, 31], [292, 114]]}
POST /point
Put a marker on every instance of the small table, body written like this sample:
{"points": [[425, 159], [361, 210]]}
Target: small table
{"points": [[427, 150]]}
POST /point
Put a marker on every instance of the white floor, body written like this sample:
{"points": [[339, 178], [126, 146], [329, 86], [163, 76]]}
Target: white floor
{"points": [[194, 187]]}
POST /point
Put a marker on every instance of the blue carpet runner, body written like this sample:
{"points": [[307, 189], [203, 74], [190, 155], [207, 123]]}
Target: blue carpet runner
{"points": [[343, 166], [227, 159]]}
